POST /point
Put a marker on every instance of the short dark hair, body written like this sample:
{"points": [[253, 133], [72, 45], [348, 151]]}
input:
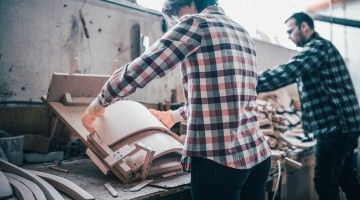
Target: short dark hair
{"points": [[301, 17], [172, 7]]}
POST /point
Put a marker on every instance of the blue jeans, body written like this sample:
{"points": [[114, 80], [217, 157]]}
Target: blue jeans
{"points": [[210, 180], [336, 166]]}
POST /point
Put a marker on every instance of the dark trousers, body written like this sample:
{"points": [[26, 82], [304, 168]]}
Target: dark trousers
{"points": [[210, 180], [336, 167]]}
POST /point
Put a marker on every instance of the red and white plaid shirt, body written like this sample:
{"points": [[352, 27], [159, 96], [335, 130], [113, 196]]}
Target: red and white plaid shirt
{"points": [[218, 68]]}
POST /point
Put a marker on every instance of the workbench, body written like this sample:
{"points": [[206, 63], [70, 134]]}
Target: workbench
{"points": [[84, 173]]}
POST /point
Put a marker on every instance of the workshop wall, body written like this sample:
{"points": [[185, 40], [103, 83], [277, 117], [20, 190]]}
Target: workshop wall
{"points": [[270, 55], [42, 37], [345, 38]]}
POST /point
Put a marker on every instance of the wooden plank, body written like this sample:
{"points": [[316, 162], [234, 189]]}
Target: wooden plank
{"points": [[118, 155], [58, 168], [78, 85], [98, 162], [293, 163], [298, 143], [277, 154], [5, 188], [148, 158], [68, 100], [64, 185], [141, 185], [104, 149], [177, 181], [121, 170], [21, 191], [165, 167], [162, 143], [49, 191], [167, 175], [111, 190], [35, 189], [71, 117]]}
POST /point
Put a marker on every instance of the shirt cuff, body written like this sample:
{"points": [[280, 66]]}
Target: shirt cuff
{"points": [[179, 115]]}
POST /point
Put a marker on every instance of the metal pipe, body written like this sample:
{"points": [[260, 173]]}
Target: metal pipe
{"points": [[336, 20]]}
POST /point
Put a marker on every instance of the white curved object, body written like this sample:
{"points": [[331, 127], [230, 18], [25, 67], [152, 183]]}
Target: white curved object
{"points": [[124, 118]]}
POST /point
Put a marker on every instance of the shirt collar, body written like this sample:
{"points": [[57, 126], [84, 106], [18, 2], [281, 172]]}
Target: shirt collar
{"points": [[213, 10], [313, 36]]}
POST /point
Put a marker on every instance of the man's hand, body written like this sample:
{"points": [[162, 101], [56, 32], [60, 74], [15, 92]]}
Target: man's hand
{"points": [[91, 113], [166, 117]]}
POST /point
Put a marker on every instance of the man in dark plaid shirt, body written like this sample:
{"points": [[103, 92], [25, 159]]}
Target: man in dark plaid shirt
{"points": [[330, 108], [228, 153]]}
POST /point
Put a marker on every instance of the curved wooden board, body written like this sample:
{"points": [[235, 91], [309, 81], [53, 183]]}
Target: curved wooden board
{"points": [[35, 189], [166, 163], [124, 118], [49, 191], [68, 187], [21, 191], [5, 188], [162, 143], [71, 116]]}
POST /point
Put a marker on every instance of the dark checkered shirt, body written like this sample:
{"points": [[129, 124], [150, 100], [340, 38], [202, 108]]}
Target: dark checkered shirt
{"points": [[328, 100]]}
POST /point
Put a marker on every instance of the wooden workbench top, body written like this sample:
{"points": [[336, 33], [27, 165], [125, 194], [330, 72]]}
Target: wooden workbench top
{"points": [[85, 174]]}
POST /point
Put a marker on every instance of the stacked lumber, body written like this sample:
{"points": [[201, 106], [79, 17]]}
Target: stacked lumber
{"points": [[274, 125], [277, 118]]}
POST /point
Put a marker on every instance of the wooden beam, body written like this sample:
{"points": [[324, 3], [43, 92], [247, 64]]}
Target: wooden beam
{"points": [[148, 158], [293, 163], [106, 151], [5, 188], [68, 100], [118, 155], [111, 190], [21, 191], [98, 162], [64, 185], [141, 185], [50, 192], [35, 189]]}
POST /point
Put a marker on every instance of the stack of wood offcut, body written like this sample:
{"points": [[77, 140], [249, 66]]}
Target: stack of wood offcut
{"points": [[279, 117]]}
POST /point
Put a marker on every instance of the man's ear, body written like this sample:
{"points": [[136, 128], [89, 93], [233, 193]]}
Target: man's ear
{"points": [[304, 26]]}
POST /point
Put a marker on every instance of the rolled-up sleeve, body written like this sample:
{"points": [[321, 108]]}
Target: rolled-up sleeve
{"points": [[179, 42], [306, 61]]}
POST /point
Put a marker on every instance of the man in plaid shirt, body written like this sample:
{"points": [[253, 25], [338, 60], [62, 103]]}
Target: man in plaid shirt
{"points": [[228, 153], [330, 108]]}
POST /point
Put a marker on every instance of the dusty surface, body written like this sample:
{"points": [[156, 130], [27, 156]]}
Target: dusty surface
{"points": [[85, 174]]}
